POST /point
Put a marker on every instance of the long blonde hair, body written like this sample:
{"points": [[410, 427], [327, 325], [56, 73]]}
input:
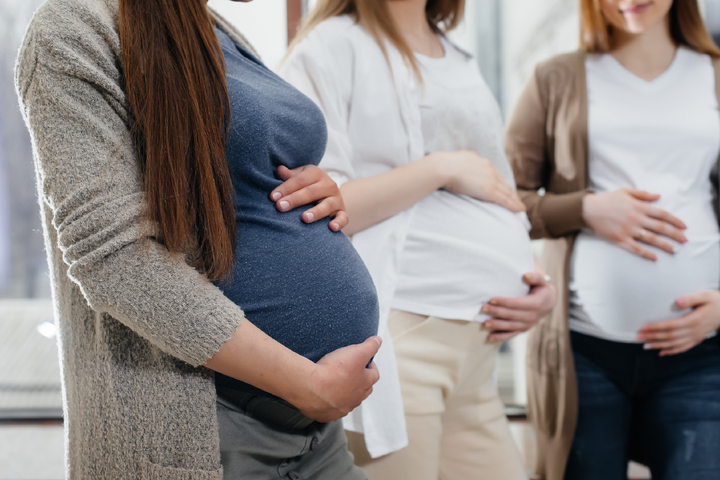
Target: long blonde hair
{"points": [[686, 28], [374, 16]]}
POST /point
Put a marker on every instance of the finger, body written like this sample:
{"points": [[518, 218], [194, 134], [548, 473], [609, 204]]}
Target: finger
{"points": [[498, 325], [501, 336], [634, 247], [694, 300], [653, 239], [665, 229], [665, 335], [643, 195], [510, 198], [284, 173], [527, 302], [298, 179], [323, 209], [304, 196], [686, 321], [671, 344], [528, 316], [679, 349], [535, 279], [339, 221], [660, 214], [370, 347]]}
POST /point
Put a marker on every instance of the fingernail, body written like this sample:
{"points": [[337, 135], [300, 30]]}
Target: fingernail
{"points": [[284, 205], [485, 309], [309, 216], [675, 249], [334, 227], [528, 276], [491, 340], [493, 302], [684, 239], [647, 346], [487, 324], [641, 337], [680, 303], [276, 196]]}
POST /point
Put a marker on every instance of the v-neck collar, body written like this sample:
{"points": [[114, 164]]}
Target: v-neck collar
{"points": [[641, 84]]}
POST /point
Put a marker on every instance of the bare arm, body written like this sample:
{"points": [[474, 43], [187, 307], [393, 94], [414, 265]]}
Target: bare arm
{"points": [[373, 199], [323, 391]]}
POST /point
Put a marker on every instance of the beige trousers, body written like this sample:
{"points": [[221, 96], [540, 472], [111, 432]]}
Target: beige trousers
{"points": [[456, 425]]}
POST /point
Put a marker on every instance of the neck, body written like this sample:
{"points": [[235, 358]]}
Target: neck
{"points": [[411, 21], [646, 54]]}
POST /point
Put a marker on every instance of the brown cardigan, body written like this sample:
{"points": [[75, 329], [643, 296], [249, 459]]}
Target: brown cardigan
{"points": [[546, 144]]}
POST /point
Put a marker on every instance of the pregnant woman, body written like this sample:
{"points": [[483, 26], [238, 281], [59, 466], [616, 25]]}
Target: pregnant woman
{"points": [[415, 140], [157, 134], [624, 137]]}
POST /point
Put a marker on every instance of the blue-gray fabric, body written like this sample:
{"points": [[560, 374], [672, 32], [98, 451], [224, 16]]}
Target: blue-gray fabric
{"points": [[302, 284]]}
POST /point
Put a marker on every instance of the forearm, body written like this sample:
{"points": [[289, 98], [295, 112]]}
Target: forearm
{"points": [[253, 357], [371, 200]]}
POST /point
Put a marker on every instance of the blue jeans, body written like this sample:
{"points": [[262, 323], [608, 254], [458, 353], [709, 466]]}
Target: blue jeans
{"points": [[661, 411]]}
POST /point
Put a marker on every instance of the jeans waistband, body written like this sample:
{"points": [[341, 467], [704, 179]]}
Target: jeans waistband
{"points": [[274, 412]]}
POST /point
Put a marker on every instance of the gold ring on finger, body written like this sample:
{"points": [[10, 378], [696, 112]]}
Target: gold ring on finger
{"points": [[642, 234]]}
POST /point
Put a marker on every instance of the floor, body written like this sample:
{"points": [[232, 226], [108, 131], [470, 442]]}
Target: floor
{"points": [[31, 451]]}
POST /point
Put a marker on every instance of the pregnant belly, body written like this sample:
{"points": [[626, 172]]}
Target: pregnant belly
{"points": [[460, 253], [305, 286], [621, 292]]}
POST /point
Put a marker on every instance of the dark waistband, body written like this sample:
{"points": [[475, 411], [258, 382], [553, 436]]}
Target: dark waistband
{"points": [[274, 412]]}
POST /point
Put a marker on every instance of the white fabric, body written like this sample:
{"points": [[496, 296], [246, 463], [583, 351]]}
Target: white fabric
{"points": [[460, 252], [338, 65], [663, 137]]}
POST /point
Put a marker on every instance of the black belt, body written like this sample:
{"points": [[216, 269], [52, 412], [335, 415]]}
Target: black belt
{"points": [[271, 411]]}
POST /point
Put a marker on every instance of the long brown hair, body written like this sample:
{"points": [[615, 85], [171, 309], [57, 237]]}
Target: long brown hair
{"points": [[175, 83], [374, 16], [686, 28]]}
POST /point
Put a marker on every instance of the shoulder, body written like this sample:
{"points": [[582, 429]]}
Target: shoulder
{"points": [[338, 37], [337, 28], [78, 38], [561, 68]]}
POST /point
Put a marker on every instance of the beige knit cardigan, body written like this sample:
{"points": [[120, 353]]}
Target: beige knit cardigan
{"points": [[135, 323]]}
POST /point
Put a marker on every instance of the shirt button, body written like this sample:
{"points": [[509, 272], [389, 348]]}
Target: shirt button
{"points": [[314, 444], [294, 476]]}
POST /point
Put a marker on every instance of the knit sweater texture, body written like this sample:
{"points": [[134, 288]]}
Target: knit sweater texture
{"points": [[135, 322]]}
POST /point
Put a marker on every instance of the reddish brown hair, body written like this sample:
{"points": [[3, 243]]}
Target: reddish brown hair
{"points": [[686, 28], [175, 83], [375, 17]]}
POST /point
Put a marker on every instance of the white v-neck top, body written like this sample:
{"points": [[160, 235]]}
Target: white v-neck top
{"points": [[460, 252], [662, 136]]}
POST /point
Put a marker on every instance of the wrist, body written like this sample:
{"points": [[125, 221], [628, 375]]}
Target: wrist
{"points": [[588, 206], [439, 169], [299, 385]]}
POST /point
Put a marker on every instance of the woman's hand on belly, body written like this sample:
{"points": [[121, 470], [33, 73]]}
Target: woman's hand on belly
{"points": [[306, 185], [626, 218], [512, 316], [341, 381], [470, 174], [681, 334]]}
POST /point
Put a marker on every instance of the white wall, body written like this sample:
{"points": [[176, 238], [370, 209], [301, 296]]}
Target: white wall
{"points": [[263, 22], [533, 31]]}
